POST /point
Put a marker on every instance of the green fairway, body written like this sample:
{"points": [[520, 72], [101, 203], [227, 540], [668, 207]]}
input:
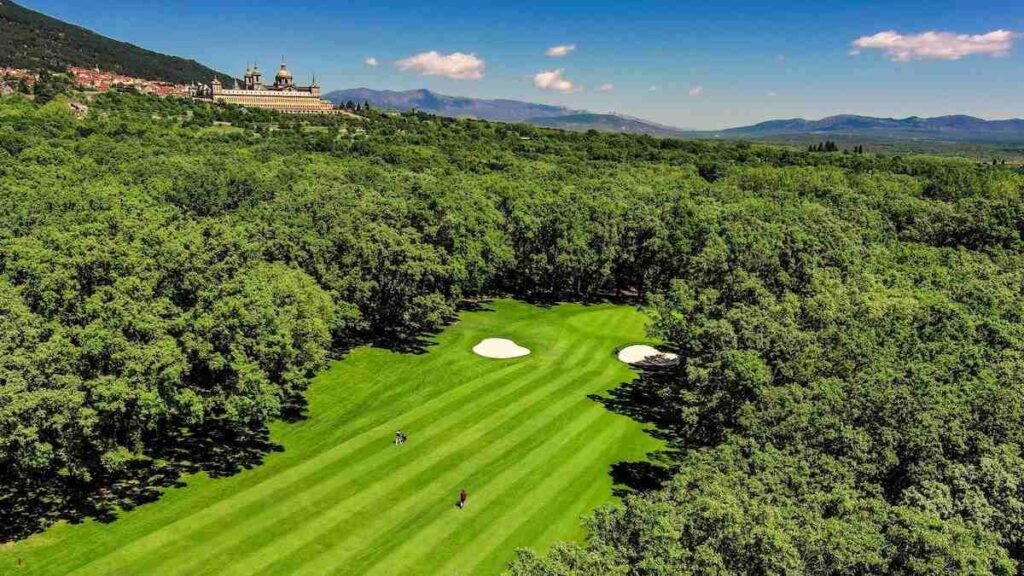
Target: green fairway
{"points": [[520, 436]]}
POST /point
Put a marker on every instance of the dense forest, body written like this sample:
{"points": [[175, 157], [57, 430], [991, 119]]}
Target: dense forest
{"points": [[34, 41], [851, 395]]}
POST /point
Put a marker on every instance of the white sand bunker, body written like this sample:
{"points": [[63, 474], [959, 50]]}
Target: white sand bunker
{"points": [[499, 348], [644, 355]]}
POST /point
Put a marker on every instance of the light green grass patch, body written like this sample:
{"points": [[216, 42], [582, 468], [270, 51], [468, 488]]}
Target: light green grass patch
{"points": [[521, 436]]}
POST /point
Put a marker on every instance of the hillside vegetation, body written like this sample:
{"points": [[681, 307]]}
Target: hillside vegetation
{"points": [[35, 41], [851, 396]]}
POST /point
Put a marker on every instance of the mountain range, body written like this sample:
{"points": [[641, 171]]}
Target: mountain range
{"points": [[955, 127], [32, 40], [500, 110], [944, 128], [455, 106]]}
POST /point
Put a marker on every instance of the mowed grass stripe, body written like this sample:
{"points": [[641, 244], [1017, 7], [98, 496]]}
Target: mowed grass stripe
{"points": [[473, 468], [299, 509], [430, 457], [527, 510], [341, 499], [149, 544], [451, 354], [401, 548], [315, 434]]}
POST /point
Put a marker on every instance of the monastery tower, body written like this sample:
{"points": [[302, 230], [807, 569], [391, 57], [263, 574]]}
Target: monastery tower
{"points": [[283, 95]]}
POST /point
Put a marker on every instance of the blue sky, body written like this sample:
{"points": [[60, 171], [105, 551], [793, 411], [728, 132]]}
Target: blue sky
{"points": [[708, 64]]}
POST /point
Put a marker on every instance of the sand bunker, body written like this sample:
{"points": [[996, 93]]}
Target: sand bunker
{"points": [[499, 348], [644, 355]]}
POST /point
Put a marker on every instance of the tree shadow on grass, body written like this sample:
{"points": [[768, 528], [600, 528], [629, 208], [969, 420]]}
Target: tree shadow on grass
{"points": [[295, 408], [476, 305], [548, 300], [641, 476], [416, 344], [617, 298], [218, 448], [421, 342], [412, 343], [25, 510], [543, 300], [639, 399]]}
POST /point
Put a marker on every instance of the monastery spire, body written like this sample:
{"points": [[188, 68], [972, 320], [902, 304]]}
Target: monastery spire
{"points": [[283, 95]]}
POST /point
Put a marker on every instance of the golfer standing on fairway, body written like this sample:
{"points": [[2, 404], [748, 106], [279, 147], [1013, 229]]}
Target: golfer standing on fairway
{"points": [[462, 499]]}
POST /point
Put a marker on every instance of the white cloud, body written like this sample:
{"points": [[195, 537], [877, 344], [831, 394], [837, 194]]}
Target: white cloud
{"points": [[553, 80], [696, 91], [772, 94], [371, 62], [936, 45], [652, 89], [606, 87], [559, 51], [456, 65]]}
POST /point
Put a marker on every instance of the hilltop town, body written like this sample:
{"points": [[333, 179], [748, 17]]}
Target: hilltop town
{"points": [[91, 80], [283, 95]]}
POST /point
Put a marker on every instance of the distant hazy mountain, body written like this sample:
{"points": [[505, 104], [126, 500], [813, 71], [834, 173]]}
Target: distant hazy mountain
{"points": [[957, 127], [500, 110], [455, 106], [32, 40], [608, 123], [951, 128]]}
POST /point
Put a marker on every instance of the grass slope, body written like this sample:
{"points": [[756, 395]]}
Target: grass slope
{"points": [[521, 436]]}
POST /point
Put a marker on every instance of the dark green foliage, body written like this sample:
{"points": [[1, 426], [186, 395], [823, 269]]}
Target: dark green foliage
{"points": [[849, 399], [851, 396], [49, 85], [826, 146], [35, 41]]}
